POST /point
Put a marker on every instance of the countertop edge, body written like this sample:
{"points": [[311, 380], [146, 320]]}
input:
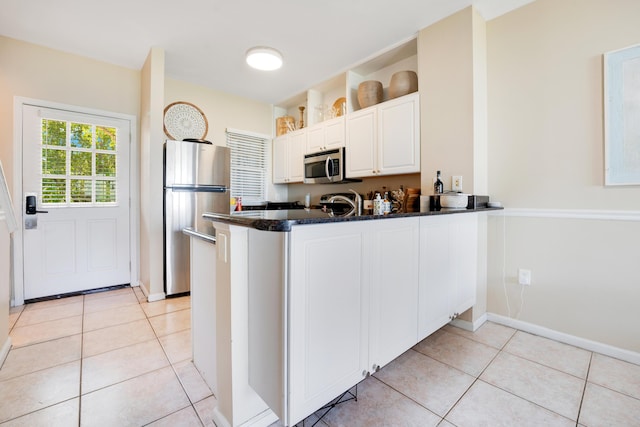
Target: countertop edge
{"points": [[284, 225]]}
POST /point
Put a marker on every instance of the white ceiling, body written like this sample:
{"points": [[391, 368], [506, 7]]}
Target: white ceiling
{"points": [[205, 40]]}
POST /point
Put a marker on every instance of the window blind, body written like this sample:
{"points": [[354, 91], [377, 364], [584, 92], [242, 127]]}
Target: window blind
{"points": [[248, 166]]}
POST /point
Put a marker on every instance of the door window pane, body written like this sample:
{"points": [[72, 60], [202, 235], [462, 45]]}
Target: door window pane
{"points": [[80, 163], [80, 191], [81, 135], [105, 138], [54, 162], [105, 164], [54, 190], [105, 191], [54, 133]]}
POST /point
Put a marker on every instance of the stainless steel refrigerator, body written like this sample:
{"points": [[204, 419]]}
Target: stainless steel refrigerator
{"points": [[196, 180]]}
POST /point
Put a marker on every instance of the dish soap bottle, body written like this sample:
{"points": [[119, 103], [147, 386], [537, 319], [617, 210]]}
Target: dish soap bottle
{"points": [[377, 205], [437, 185]]}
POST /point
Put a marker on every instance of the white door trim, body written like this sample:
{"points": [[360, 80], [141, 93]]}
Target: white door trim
{"points": [[17, 297]]}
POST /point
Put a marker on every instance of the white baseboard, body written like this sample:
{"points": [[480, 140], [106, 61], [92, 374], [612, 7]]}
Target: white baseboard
{"points": [[607, 350], [470, 326], [263, 419], [219, 419], [156, 297], [4, 351], [151, 297]]}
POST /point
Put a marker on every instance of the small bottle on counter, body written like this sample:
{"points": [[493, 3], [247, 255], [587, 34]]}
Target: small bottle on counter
{"points": [[386, 204], [438, 188], [377, 205], [238, 204]]}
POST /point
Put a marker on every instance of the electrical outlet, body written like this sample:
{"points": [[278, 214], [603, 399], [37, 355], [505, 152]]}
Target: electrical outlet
{"points": [[524, 277], [456, 183]]}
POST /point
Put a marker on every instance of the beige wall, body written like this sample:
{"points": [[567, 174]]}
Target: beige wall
{"points": [[151, 175], [221, 109], [5, 287], [445, 74], [545, 103], [452, 70], [32, 71], [546, 156], [36, 72]]}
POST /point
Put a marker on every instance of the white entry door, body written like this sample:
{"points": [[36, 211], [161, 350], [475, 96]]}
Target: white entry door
{"points": [[77, 167]]}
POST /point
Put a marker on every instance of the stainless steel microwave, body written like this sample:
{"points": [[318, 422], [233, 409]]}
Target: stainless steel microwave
{"points": [[325, 167]]}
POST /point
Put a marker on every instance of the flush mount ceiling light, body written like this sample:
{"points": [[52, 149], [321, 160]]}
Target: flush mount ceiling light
{"points": [[264, 58]]}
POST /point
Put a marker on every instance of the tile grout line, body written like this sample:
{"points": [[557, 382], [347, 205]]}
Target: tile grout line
{"points": [[477, 378], [513, 394], [171, 364], [547, 366], [404, 395], [81, 364], [503, 349], [584, 389]]}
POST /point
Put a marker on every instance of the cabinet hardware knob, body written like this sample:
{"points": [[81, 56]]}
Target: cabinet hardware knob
{"points": [[365, 373]]}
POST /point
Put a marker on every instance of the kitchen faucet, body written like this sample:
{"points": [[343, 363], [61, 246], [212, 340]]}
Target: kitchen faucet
{"points": [[356, 206]]}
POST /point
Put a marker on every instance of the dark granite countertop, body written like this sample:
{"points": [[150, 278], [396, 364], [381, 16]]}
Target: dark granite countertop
{"points": [[283, 220]]}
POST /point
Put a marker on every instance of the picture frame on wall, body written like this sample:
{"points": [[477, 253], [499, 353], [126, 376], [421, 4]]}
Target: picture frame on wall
{"points": [[622, 116]]}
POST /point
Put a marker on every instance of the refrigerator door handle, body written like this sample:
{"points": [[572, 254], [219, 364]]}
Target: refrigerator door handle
{"points": [[194, 233], [198, 188]]}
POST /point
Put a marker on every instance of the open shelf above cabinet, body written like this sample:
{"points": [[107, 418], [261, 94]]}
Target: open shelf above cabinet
{"points": [[339, 95]]}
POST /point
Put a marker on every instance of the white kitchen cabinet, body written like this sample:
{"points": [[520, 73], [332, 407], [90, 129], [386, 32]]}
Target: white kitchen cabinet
{"points": [[288, 157], [326, 135], [448, 269], [238, 404], [384, 139], [393, 316], [353, 305], [361, 143], [323, 306], [399, 135], [328, 314], [203, 313]]}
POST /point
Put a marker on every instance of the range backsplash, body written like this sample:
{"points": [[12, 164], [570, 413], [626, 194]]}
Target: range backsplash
{"points": [[392, 182]]}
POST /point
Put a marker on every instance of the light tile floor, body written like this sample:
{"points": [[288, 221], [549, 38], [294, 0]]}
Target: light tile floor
{"points": [[112, 359]]}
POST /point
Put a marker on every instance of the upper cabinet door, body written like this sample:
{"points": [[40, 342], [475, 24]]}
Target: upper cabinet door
{"points": [[288, 157], [280, 159], [399, 135], [315, 139], [361, 143], [334, 133], [297, 145], [326, 135], [384, 139]]}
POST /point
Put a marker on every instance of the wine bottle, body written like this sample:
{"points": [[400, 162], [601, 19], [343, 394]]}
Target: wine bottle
{"points": [[438, 188]]}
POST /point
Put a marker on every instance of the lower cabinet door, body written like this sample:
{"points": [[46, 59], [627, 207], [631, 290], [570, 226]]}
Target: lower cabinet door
{"points": [[328, 300], [448, 269], [465, 252], [436, 278], [394, 289]]}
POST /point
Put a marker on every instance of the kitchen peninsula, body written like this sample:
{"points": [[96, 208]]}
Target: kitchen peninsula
{"points": [[308, 304]]}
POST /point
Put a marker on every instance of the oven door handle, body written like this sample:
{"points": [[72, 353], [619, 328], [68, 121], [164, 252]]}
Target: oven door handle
{"points": [[328, 163]]}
